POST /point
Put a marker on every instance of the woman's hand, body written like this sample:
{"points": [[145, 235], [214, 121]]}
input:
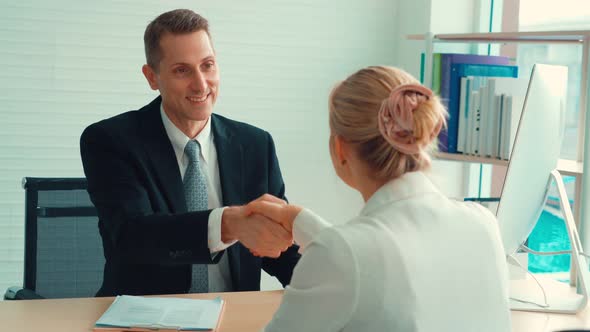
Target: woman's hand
{"points": [[275, 209]]}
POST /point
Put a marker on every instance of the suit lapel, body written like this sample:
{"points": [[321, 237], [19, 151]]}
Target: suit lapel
{"points": [[230, 161], [161, 154]]}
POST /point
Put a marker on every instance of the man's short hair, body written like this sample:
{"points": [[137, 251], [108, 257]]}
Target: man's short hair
{"points": [[178, 21]]}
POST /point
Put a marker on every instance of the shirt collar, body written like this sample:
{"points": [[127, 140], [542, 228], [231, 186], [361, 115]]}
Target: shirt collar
{"points": [[409, 185], [179, 139]]}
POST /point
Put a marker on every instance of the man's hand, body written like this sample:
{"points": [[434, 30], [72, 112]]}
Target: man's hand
{"points": [[275, 209], [261, 236]]}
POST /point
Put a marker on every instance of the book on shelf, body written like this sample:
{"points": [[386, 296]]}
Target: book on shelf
{"points": [[513, 92], [436, 61], [464, 100], [488, 118], [441, 77], [497, 126], [480, 70], [472, 131], [482, 128], [509, 126], [138, 313], [469, 113]]}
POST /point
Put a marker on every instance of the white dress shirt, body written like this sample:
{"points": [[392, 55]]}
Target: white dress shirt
{"points": [[413, 260], [219, 274]]}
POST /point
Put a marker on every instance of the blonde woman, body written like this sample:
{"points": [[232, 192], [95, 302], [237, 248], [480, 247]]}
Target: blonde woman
{"points": [[412, 260]]}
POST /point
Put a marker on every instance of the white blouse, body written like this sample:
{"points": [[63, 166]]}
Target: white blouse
{"points": [[413, 260]]}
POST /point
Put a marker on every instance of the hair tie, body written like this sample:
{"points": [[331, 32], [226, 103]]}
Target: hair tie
{"points": [[396, 119]]}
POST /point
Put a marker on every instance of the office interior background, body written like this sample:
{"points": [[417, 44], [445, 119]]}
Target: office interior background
{"points": [[66, 64]]}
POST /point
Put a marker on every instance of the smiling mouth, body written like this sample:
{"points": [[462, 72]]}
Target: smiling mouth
{"points": [[198, 100]]}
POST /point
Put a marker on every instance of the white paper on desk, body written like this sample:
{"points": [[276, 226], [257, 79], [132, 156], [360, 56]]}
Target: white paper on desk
{"points": [[162, 312]]}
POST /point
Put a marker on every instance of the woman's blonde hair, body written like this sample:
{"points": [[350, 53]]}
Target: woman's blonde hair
{"points": [[391, 120]]}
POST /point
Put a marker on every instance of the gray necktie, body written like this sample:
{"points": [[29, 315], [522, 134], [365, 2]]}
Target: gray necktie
{"points": [[195, 193]]}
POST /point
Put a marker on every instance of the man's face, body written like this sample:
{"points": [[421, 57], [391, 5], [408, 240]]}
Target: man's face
{"points": [[187, 76]]}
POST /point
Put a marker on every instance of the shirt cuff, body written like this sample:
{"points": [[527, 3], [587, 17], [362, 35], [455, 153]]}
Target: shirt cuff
{"points": [[306, 226], [214, 232]]}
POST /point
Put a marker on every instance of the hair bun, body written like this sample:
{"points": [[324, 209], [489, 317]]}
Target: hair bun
{"points": [[396, 119]]}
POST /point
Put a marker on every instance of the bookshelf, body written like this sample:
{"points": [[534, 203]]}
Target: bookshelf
{"points": [[574, 168], [565, 166], [470, 159]]}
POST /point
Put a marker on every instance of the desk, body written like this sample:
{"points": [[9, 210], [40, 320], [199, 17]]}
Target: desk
{"points": [[541, 322], [244, 312]]}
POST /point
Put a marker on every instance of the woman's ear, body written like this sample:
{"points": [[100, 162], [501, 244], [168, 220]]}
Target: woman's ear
{"points": [[341, 159], [340, 149]]}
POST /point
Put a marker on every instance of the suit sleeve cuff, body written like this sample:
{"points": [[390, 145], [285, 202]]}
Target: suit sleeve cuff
{"points": [[214, 229], [306, 226]]}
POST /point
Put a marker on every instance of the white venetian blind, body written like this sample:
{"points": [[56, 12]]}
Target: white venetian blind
{"points": [[66, 64]]}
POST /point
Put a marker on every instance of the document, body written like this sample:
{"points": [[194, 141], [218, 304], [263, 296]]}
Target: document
{"points": [[160, 313]]}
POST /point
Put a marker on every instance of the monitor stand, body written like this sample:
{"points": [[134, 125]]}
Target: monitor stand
{"points": [[561, 298]]}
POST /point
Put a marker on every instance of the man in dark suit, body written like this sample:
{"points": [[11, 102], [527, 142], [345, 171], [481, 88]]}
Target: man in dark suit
{"points": [[160, 195]]}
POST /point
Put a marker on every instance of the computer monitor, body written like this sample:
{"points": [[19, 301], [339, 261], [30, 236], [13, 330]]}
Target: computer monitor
{"points": [[534, 155]]}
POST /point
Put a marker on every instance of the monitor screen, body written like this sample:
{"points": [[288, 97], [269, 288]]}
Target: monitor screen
{"points": [[534, 155]]}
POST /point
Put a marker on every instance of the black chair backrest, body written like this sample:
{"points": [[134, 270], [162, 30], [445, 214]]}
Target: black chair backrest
{"points": [[63, 248]]}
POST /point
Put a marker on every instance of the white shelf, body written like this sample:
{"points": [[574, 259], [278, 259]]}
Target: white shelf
{"points": [[570, 37], [565, 166], [470, 159]]}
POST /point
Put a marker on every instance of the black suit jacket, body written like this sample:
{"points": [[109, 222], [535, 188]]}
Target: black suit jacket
{"points": [[149, 238]]}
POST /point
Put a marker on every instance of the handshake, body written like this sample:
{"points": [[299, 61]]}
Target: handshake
{"points": [[264, 226]]}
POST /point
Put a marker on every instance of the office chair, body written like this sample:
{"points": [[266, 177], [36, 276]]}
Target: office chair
{"points": [[63, 248]]}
